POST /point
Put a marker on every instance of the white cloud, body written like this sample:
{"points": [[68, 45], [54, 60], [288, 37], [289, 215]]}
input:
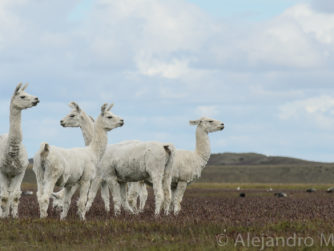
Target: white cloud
{"points": [[146, 33], [323, 5], [168, 58], [10, 25], [55, 40], [207, 110], [262, 91], [169, 70], [175, 39], [295, 39], [314, 24], [168, 93], [299, 38], [316, 110]]}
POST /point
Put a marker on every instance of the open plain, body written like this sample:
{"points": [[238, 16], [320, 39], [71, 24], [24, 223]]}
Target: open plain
{"points": [[213, 217]]}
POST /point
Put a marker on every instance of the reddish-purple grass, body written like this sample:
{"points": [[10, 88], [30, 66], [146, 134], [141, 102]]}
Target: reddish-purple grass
{"points": [[223, 206], [206, 213]]}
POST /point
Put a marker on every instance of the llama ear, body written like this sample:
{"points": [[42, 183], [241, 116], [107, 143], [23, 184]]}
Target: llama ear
{"points": [[109, 107], [24, 87], [194, 122], [18, 87], [103, 108], [75, 106]]}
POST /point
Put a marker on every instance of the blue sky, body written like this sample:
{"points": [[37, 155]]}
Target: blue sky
{"points": [[263, 67]]}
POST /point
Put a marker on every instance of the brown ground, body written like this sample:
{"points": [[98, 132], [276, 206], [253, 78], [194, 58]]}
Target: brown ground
{"points": [[218, 205], [206, 214]]}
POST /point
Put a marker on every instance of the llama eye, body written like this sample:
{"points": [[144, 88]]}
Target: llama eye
{"points": [[72, 116], [23, 97], [210, 121], [109, 117]]}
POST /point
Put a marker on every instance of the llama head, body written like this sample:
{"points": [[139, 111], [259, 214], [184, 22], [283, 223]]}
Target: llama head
{"points": [[22, 100], [75, 118], [208, 124], [110, 120]]}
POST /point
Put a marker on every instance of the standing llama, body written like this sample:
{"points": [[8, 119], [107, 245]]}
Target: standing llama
{"points": [[78, 118], [188, 165], [68, 167], [13, 155], [133, 161]]}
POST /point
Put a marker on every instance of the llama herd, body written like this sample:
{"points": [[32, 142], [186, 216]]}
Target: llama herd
{"points": [[122, 169]]}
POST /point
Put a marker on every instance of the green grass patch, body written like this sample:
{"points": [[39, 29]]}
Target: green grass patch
{"points": [[120, 234]]}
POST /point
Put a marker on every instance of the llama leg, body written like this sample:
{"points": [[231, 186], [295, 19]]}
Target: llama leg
{"points": [[40, 186], [181, 188], [39, 173], [15, 193], [116, 194], [58, 198], [158, 193], [67, 196], [142, 196], [66, 200], [125, 204], [105, 195], [4, 196], [15, 203], [167, 194], [84, 188], [45, 197], [94, 187], [172, 200], [132, 195]]}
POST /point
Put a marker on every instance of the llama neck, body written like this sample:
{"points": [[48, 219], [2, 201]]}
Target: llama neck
{"points": [[100, 139], [15, 132], [203, 145], [87, 128]]}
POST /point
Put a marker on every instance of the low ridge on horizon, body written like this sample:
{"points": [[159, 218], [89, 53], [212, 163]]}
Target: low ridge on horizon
{"points": [[251, 158]]}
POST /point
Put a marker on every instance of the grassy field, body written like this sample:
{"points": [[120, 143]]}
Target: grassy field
{"points": [[213, 217], [318, 173]]}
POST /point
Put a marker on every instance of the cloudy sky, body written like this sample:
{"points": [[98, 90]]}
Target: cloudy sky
{"points": [[263, 67]]}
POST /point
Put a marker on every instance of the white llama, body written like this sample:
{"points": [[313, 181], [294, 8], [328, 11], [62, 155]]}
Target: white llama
{"points": [[133, 161], [68, 167], [13, 155], [78, 118], [188, 165], [144, 156]]}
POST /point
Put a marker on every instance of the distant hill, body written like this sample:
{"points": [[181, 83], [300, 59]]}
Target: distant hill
{"points": [[250, 159], [259, 168]]}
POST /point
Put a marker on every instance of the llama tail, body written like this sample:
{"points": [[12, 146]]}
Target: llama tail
{"points": [[170, 150], [39, 166], [45, 149], [167, 178], [42, 155]]}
